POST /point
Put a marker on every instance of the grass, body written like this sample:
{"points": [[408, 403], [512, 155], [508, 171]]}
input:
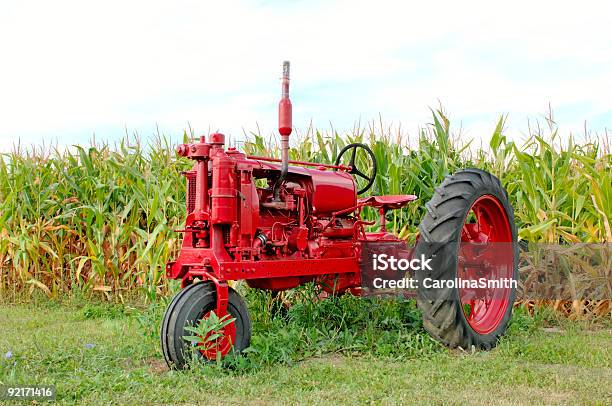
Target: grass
{"points": [[295, 361]]}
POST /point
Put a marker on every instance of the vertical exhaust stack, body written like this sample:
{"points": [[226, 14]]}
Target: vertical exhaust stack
{"points": [[285, 125]]}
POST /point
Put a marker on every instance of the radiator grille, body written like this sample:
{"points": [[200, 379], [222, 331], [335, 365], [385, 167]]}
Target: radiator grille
{"points": [[191, 191]]}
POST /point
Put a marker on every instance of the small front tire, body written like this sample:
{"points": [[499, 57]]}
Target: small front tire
{"points": [[194, 303]]}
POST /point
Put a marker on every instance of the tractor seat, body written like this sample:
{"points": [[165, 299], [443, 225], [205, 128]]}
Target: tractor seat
{"points": [[389, 202]]}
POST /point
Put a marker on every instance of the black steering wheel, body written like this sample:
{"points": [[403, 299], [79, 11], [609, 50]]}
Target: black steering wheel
{"points": [[354, 170]]}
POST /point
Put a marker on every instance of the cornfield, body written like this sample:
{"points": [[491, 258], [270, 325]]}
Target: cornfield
{"points": [[101, 219]]}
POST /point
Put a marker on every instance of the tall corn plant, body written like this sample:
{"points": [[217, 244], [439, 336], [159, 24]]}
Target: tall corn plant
{"points": [[560, 193], [101, 219], [92, 218]]}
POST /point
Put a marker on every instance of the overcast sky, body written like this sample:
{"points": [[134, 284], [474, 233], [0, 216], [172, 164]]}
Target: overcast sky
{"points": [[69, 69]]}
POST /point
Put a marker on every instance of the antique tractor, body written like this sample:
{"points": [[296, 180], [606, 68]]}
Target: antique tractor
{"points": [[279, 224]]}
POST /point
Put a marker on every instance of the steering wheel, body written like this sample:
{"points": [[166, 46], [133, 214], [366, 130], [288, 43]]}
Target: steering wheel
{"points": [[354, 170]]}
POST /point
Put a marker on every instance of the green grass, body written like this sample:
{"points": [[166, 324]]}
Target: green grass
{"points": [[335, 354]]}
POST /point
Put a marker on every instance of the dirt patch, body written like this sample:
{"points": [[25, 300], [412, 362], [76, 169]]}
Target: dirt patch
{"points": [[333, 359], [156, 365], [555, 330]]}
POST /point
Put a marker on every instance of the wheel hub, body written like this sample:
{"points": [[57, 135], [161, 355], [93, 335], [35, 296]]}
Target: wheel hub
{"points": [[217, 341], [485, 252]]}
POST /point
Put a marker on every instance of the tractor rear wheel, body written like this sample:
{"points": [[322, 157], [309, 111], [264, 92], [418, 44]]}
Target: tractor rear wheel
{"points": [[195, 303], [468, 212]]}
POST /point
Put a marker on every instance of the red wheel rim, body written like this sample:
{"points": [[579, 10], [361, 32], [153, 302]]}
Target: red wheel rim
{"points": [[222, 344], [485, 252]]}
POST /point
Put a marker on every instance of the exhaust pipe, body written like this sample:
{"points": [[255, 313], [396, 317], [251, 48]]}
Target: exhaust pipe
{"points": [[285, 125]]}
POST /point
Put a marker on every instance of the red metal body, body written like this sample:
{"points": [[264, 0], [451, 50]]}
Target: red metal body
{"points": [[236, 230], [300, 225]]}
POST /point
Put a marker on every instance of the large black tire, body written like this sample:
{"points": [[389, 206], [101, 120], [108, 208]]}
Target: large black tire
{"points": [[191, 304], [440, 234]]}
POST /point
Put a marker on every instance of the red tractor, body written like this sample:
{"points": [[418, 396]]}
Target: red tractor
{"points": [[279, 224]]}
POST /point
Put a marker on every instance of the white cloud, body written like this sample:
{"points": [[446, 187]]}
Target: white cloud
{"points": [[74, 67]]}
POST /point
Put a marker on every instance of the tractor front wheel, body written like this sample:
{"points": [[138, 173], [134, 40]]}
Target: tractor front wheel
{"points": [[193, 304], [469, 234]]}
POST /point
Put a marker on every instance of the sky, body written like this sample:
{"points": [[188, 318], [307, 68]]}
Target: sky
{"points": [[72, 69]]}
